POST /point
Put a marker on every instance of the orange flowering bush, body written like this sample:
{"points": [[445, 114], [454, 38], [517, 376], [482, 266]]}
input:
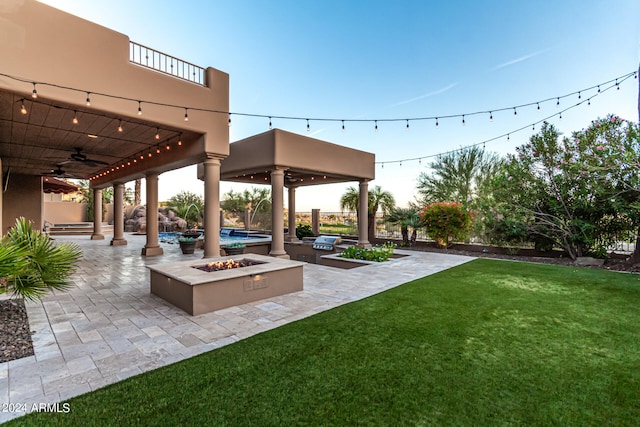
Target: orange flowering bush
{"points": [[446, 222]]}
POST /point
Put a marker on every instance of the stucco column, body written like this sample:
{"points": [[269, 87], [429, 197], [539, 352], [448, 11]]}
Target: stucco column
{"points": [[152, 247], [212, 208], [97, 215], [247, 219], [363, 217], [277, 214], [292, 215], [315, 221], [1, 193], [118, 216]]}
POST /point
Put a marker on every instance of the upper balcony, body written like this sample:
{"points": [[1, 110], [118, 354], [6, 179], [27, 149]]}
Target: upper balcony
{"points": [[167, 64]]}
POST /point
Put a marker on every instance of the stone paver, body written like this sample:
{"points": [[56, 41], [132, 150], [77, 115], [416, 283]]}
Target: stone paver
{"points": [[108, 327]]}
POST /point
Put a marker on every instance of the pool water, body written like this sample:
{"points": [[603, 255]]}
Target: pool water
{"points": [[226, 236]]}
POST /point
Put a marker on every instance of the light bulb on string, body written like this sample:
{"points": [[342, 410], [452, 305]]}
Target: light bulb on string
{"points": [[180, 139], [490, 116], [617, 85], [508, 137], [558, 103], [560, 116], [88, 101], [589, 101], [343, 126], [270, 124], [579, 95], [407, 124], [463, 122], [229, 120], [598, 88], [75, 118], [120, 125], [158, 150], [157, 133], [23, 110], [515, 113], [34, 93], [186, 114], [308, 126], [376, 128], [139, 108], [538, 105], [437, 123], [168, 147]]}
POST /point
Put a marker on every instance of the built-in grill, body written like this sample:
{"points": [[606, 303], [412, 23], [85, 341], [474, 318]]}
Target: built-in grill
{"points": [[326, 243]]}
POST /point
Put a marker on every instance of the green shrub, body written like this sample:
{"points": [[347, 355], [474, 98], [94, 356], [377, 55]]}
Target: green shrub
{"points": [[30, 264], [303, 230], [376, 253], [446, 222]]}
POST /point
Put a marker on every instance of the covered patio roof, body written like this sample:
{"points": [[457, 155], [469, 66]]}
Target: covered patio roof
{"points": [[43, 139], [306, 161], [57, 186]]}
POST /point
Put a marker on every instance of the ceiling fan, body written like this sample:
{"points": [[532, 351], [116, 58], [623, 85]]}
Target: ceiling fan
{"points": [[58, 172], [78, 156]]}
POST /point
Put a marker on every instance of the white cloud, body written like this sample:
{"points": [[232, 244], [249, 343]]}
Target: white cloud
{"points": [[427, 95], [517, 60]]}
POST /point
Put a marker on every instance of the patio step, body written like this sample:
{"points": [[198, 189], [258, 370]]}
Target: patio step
{"points": [[78, 228]]}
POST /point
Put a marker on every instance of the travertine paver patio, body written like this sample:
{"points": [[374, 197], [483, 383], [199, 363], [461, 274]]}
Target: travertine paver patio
{"points": [[108, 327]]}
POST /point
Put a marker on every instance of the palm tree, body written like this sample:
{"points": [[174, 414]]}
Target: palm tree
{"points": [[378, 199], [406, 217]]}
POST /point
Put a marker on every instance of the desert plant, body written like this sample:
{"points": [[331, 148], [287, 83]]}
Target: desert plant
{"points": [[446, 222], [31, 264]]}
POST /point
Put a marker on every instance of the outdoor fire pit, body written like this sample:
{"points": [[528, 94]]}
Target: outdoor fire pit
{"points": [[227, 265], [224, 282]]}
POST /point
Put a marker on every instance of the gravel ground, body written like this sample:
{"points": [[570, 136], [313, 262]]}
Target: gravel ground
{"points": [[15, 336]]}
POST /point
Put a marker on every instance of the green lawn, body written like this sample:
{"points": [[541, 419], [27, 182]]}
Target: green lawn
{"points": [[487, 343]]}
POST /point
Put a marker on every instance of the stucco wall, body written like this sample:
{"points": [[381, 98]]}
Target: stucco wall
{"points": [[65, 212], [23, 198]]}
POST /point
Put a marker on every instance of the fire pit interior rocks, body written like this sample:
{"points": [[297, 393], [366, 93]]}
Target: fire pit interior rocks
{"points": [[227, 265]]}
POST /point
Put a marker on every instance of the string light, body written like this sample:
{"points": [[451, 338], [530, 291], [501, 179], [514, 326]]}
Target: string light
{"points": [[120, 125], [270, 124], [186, 114], [88, 102], [515, 113], [343, 126], [23, 110], [308, 127], [376, 128], [168, 147], [157, 133], [407, 124], [599, 87], [437, 125], [158, 149], [75, 118], [490, 116], [180, 139], [558, 103], [34, 94], [463, 122], [229, 121]]}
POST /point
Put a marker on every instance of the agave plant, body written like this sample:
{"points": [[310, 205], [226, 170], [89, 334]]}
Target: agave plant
{"points": [[30, 263]]}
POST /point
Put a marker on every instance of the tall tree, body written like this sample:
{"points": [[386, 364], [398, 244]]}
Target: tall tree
{"points": [[378, 200], [581, 193], [459, 176], [136, 192]]}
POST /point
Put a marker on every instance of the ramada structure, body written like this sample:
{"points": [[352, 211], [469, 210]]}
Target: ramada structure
{"points": [[80, 99]]}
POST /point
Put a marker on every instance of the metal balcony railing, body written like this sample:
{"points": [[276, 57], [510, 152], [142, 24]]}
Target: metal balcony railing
{"points": [[167, 64]]}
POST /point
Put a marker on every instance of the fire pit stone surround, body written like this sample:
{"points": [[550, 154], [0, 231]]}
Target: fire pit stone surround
{"points": [[198, 292]]}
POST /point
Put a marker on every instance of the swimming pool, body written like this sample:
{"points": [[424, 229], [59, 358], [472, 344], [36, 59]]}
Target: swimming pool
{"points": [[227, 235]]}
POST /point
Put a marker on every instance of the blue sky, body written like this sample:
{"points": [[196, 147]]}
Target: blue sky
{"points": [[374, 60]]}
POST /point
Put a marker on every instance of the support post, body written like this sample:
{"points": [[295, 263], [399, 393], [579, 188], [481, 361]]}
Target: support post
{"points": [[97, 215], [363, 215], [291, 237], [315, 221], [118, 216], [212, 207], [277, 214], [152, 247]]}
